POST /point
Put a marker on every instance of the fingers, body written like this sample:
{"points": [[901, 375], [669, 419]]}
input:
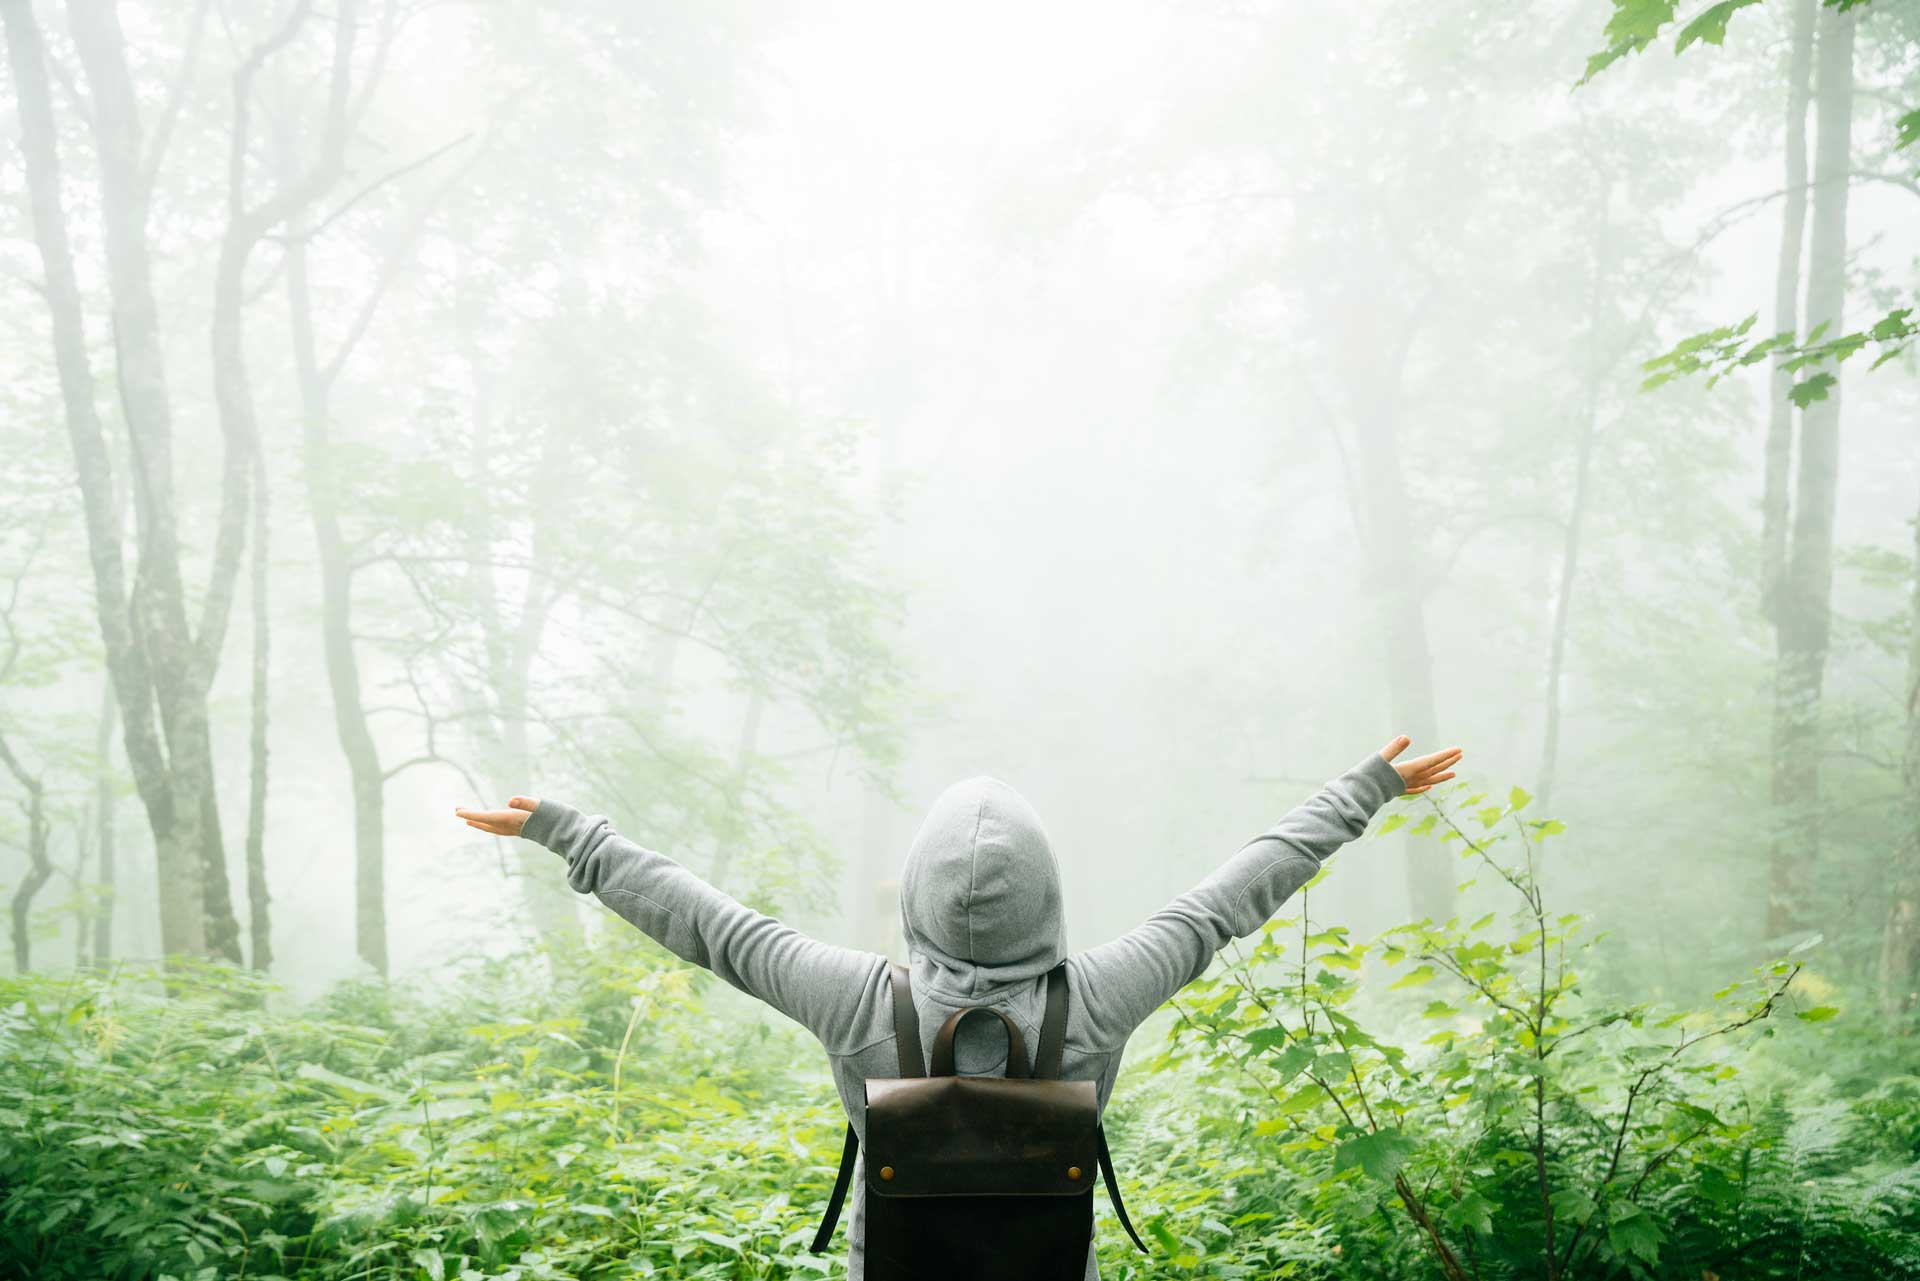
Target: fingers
{"points": [[1433, 761], [498, 822], [526, 803], [1422, 772]]}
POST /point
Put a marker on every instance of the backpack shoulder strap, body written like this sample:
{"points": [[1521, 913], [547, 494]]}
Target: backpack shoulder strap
{"points": [[1113, 1192], [906, 1024], [849, 1149], [906, 1030], [1053, 1027]]}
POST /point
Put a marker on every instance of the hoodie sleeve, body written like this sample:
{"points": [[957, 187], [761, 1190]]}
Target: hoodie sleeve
{"points": [[1128, 979], [818, 985]]}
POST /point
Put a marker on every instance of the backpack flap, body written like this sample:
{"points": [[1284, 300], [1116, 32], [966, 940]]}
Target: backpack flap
{"points": [[981, 1136]]}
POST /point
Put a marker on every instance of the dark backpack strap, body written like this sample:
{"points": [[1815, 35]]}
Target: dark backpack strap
{"points": [[906, 1024], [906, 1030], [848, 1151], [1053, 1027], [1113, 1191]]}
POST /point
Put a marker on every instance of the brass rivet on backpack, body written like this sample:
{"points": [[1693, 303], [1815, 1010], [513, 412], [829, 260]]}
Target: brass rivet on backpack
{"points": [[886, 1172], [1073, 1172]]}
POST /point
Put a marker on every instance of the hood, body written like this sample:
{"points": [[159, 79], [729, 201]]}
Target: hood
{"points": [[980, 894]]}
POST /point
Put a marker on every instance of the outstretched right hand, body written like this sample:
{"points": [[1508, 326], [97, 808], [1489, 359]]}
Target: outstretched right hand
{"points": [[506, 822], [1422, 772]]}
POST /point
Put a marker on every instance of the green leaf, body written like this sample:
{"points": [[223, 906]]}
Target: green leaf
{"points": [[1630, 1230], [1332, 1067], [1596, 63], [1471, 1212], [1292, 1061], [1267, 1039], [1815, 388], [1638, 20], [1894, 325], [1414, 977], [430, 1260], [1572, 1205], [1391, 822], [1378, 1155], [1818, 1014], [1711, 26], [1699, 1115], [345, 1084], [1716, 1186], [1517, 799]]}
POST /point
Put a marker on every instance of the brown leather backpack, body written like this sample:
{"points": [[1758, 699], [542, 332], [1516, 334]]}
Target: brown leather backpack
{"points": [[971, 1178]]}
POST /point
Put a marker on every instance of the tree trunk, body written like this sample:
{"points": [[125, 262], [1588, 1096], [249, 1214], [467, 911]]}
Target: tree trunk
{"points": [[132, 629], [552, 903], [510, 647], [103, 816], [1900, 944], [1577, 509], [1393, 577], [336, 618], [1806, 588], [1774, 506], [233, 390], [259, 922], [181, 664], [38, 866]]}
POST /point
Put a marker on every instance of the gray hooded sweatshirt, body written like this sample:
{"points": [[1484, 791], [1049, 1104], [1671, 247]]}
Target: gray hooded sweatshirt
{"points": [[981, 904]]}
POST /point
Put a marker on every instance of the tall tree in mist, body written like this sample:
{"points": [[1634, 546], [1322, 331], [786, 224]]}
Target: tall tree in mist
{"points": [[1783, 907], [148, 644], [321, 464], [1801, 466], [28, 779], [163, 665], [1328, 277], [1802, 599]]}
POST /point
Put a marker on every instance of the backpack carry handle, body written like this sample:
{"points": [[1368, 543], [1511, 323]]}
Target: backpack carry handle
{"points": [[943, 1043]]}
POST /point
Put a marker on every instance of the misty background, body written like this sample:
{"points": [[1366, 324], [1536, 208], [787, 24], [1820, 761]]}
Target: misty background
{"points": [[744, 420]]}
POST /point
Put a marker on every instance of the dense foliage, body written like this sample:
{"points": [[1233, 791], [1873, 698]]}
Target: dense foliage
{"points": [[603, 1113], [1539, 1128]]}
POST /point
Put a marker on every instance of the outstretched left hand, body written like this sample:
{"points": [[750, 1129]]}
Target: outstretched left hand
{"points": [[1422, 772], [506, 822]]}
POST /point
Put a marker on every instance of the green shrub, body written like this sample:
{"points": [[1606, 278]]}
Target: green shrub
{"points": [[383, 1135], [1534, 1132]]}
